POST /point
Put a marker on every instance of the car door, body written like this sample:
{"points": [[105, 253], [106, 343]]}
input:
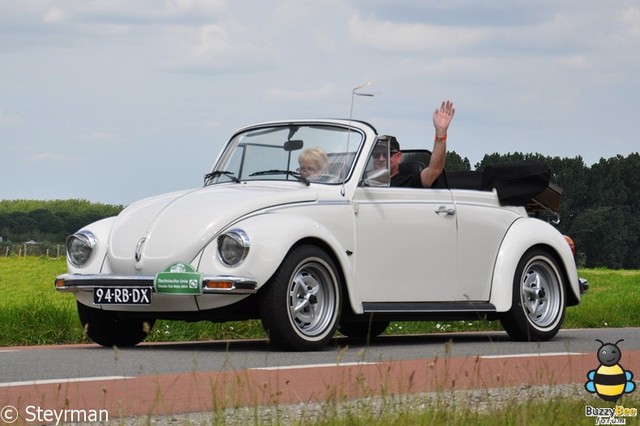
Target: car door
{"points": [[406, 245]]}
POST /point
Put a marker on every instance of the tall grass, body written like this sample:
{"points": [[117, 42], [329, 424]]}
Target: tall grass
{"points": [[33, 313], [541, 405]]}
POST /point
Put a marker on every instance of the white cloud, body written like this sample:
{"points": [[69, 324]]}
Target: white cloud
{"points": [[99, 136], [8, 119], [47, 158], [628, 32], [132, 11], [413, 37], [54, 15], [153, 77], [217, 47], [288, 95]]}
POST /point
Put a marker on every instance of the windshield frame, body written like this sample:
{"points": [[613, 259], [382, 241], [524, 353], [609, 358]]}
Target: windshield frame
{"points": [[279, 145]]}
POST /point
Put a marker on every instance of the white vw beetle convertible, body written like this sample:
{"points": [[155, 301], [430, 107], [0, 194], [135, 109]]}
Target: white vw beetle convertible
{"points": [[309, 254]]}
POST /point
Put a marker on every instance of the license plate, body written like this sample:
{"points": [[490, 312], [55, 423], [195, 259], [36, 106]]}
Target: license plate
{"points": [[122, 296]]}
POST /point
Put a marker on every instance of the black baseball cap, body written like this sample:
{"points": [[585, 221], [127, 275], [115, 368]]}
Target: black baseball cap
{"points": [[393, 142]]}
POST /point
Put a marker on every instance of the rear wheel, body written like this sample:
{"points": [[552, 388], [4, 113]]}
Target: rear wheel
{"points": [[109, 328], [538, 306], [300, 305]]}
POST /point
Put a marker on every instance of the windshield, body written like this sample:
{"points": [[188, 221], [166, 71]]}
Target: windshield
{"points": [[300, 152]]}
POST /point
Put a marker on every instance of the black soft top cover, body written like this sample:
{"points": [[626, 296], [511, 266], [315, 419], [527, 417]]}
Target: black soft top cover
{"points": [[518, 182]]}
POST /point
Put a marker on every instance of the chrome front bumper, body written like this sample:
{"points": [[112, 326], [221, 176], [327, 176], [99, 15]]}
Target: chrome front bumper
{"points": [[220, 284]]}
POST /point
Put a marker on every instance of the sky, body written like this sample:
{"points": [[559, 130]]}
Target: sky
{"points": [[113, 101]]}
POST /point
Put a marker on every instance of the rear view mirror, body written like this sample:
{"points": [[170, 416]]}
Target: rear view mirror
{"points": [[293, 145]]}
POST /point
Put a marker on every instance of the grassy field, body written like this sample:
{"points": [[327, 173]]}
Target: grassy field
{"points": [[33, 313]]}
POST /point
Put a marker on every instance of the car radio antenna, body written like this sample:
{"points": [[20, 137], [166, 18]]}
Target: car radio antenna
{"points": [[355, 92]]}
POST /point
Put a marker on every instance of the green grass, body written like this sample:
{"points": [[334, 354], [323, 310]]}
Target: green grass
{"points": [[613, 300], [33, 313]]}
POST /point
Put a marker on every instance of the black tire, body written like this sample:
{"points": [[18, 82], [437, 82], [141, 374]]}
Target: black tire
{"points": [[301, 304], [363, 329], [109, 329], [539, 298]]}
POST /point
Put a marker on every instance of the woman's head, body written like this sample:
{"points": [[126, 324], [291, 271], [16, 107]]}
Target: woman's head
{"points": [[313, 162]]}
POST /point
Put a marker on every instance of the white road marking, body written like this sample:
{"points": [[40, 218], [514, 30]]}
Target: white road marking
{"points": [[63, 381], [531, 355], [292, 367]]}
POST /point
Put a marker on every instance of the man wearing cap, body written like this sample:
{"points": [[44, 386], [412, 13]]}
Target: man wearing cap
{"points": [[425, 178]]}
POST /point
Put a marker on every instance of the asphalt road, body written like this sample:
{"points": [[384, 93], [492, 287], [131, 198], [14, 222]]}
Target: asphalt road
{"points": [[53, 363]]}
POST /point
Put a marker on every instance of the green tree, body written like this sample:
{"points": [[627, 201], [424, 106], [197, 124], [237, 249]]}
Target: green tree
{"points": [[456, 163]]}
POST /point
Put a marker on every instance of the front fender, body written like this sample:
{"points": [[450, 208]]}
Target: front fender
{"points": [[272, 235], [101, 231], [524, 234]]}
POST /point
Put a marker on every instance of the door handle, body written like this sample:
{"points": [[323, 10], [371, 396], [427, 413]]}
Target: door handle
{"points": [[448, 211]]}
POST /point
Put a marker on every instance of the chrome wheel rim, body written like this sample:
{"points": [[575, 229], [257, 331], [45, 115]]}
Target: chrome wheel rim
{"points": [[312, 298], [541, 294]]}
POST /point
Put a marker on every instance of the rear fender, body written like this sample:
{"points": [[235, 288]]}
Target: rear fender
{"points": [[524, 234]]}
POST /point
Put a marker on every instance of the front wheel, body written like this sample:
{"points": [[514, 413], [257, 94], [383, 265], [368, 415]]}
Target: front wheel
{"points": [[301, 303], [108, 328], [538, 306]]}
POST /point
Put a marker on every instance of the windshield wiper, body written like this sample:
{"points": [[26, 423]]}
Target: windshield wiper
{"points": [[217, 173], [282, 172]]}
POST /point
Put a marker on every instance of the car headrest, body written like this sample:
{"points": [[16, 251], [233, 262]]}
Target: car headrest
{"points": [[410, 167]]}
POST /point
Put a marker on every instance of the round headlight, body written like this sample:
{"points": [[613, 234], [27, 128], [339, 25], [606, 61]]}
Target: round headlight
{"points": [[80, 248], [233, 247]]}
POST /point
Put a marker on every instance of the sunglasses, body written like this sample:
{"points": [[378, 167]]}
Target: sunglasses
{"points": [[383, 152]]}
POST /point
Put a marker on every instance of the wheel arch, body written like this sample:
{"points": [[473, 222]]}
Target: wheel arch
{"points": [[524, 235], [346, 294], [300, 231]]}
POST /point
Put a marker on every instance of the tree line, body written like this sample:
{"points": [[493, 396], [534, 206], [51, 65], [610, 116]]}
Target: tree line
{"points": [[599, 208], [36, 226]]}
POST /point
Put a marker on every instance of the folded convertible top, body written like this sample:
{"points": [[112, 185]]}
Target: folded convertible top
{"points": [[516, 183], [522, 183]]}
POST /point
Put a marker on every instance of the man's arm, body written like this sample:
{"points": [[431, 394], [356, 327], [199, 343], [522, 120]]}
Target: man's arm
{"points": [[441, 119]]}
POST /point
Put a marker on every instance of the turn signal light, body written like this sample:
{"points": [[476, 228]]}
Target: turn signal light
{"points": [[219, 284]]}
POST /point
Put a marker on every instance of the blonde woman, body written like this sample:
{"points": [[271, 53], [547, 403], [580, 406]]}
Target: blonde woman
{"points": [[313, 163]]}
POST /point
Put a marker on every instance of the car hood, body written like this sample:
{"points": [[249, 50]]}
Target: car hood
{"points": [[175, 227]]}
